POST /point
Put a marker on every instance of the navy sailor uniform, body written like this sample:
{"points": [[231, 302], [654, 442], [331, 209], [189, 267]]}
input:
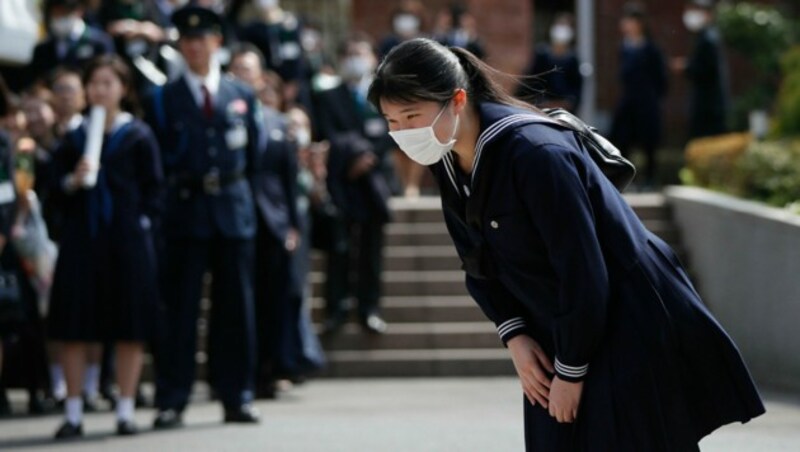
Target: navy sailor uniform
{"points": [[105, 282], [552, 250]]}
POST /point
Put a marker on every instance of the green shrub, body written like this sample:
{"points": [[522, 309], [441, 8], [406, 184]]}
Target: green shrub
{"points": [[787, 110], [770, 172]]}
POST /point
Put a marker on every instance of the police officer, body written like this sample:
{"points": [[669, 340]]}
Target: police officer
{"points": [[210, 128]]}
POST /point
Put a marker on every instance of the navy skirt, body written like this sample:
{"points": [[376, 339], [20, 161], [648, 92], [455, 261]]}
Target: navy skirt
{"points": [[665, 376]]}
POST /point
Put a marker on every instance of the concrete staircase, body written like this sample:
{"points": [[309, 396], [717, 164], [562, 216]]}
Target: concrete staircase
{"points": [[435, 329]]}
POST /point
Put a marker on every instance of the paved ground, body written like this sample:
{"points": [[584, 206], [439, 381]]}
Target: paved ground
{"points": [[374, 415]]}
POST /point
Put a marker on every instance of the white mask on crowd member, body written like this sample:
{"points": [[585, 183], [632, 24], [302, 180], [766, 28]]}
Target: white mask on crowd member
{"points": [[268, 4], [303, 137], [406, 24], [561, 34], [694, 20], [63, 27], [356, 68], [421, 144]]}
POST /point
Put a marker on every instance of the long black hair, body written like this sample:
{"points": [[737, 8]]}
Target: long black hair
{"points": [[424, 70]]}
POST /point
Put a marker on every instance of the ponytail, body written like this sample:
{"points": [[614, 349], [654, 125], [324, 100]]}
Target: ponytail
{"points": [[424, 70]]}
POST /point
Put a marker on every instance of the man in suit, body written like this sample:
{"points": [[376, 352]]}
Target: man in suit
{"points": [[358, 178], [211, 132], [277, 290], [71, 42]]}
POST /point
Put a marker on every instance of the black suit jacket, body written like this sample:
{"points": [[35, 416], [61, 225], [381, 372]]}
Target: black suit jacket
{"points": [[92, 43], [275, 182], [354, 130]]}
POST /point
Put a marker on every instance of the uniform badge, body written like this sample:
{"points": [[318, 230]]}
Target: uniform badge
{"points": [[237, 108], [194, 20]]}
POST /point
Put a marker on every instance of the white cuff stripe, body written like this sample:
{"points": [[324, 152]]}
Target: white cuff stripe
{"points": [[510, 325], [571, 371]]}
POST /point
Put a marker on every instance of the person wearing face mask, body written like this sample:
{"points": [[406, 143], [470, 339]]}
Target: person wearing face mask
{"points": [[643, 85], [463, 33], [613, 347], [553, 78], [71, 41], [277, 33], [707, 71], [406, 23], [359, 177]]}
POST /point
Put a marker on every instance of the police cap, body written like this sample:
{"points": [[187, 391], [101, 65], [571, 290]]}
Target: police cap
{"points": [[196, 21]]}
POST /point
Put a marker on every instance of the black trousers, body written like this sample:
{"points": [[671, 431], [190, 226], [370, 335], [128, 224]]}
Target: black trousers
{"points": [[355, 259], [231, 331], [278, 303]]}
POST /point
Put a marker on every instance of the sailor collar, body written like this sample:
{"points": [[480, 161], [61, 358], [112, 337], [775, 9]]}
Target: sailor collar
{"points": [[496, 120]]}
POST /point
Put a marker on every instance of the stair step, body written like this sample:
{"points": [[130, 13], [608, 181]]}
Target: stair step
{"points": [[416, 336], [408, 283], [414, 308], [419, 363]]}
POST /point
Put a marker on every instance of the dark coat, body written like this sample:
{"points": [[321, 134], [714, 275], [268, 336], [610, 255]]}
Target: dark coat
{"points": [[643, 79], [275, 184], [553, 78], [354, 128], [708, 72], [8, 208], [195, 148], [104, 285], [564, 259], [92, 43]]}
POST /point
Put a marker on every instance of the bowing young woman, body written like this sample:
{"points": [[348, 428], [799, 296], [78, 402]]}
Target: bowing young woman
{"points": [[104, 286], [614, 349]]}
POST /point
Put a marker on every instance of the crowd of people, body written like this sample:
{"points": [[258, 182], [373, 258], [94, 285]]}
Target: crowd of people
{"points": [[161, 156]]}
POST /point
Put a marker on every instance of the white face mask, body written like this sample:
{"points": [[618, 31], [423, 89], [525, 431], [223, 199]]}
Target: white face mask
{"points": [[561, 34], [356, 67], [63, 26], [421, 144], [406, 24], [268, 4], [694, 20], [303, 137]]}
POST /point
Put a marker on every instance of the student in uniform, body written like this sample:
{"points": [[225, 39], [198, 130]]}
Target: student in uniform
{"points": [[105, 285], [614, 349], [211, 129]]}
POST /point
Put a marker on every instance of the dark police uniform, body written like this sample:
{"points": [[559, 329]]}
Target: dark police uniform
{"points": [[354, 128], [210, 155], [552, 250]]}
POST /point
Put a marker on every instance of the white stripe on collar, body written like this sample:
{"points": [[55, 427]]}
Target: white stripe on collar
{"points": [[484, 138]]}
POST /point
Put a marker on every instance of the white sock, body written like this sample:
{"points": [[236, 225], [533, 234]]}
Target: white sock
{"points": [[57, 383], [125, 409], [91, 380], [74, 410]]}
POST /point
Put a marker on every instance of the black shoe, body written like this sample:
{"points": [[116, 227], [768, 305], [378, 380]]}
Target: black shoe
{"points": [[5, 405], [68, 431], [374, 324], [126, 428], [266, 390], [245, 414], [168, 419]]}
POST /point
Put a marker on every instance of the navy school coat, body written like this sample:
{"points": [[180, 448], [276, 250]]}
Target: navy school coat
{"points": [[104, 284], [552, 250], [194, 147]]}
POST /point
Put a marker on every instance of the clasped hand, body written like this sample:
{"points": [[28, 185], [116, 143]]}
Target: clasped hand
{"points": [[561, 398]]}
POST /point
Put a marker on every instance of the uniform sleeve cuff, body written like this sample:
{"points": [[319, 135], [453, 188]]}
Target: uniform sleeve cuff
{"points": [[571, 373], [511, 328]]}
